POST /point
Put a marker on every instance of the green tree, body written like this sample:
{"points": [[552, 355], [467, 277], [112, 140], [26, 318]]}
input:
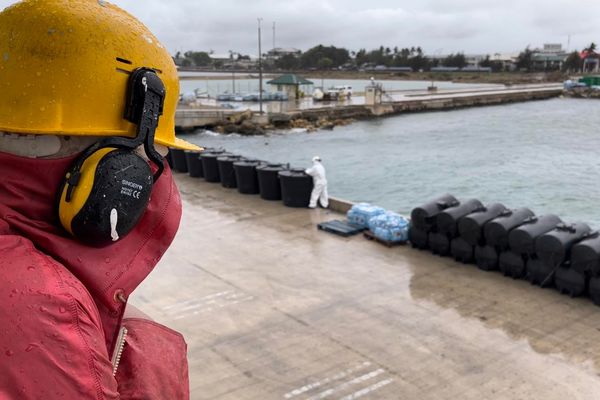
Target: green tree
{"points": [[361, 57], [311, 58], [496, 66], [287, 62], [457, 60], [525, 60], [325, 63], [573, 62], [198, 58], [591, 48], [419, 62]]}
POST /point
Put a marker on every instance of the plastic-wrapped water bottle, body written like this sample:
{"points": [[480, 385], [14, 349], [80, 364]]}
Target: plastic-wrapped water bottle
{"points": [[390, 227], [361, 213]]}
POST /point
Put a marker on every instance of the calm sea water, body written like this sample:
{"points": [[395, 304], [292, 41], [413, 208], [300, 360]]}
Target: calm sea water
{"points": [[544, 155]]}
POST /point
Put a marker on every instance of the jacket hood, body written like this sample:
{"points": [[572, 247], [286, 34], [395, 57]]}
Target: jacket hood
{"points": [[28, 189]]}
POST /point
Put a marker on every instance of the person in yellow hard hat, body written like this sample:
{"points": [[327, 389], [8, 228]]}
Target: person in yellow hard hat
{"points": [[87, 204]]}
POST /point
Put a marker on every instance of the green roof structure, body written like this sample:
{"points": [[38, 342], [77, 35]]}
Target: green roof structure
{"points": [[290, 79]]}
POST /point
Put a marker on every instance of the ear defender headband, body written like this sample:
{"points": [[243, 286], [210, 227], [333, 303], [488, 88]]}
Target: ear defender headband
{"points": [[107, 189]]}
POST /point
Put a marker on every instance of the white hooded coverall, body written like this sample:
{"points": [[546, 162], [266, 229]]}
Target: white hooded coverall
{"points": [[319, 192]]}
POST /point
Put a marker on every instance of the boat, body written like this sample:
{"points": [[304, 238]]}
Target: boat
{"points": [[201, 94], [334, 93], [266, 96]]}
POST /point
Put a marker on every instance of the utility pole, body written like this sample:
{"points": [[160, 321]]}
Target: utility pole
{"points": [[260, 77], [273, 35]]}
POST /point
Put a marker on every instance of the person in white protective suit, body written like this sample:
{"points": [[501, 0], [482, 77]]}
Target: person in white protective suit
{"points": [[319, 192]]}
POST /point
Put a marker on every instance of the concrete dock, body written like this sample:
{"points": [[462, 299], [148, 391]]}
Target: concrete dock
{"points": [[396, 102], [272, 308]]}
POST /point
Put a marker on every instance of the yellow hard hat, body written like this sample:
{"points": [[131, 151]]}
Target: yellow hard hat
{"points": [[64, 68]]}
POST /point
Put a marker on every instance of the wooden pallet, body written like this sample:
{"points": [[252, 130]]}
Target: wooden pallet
{"points": [[341, 228], [370, 236]]}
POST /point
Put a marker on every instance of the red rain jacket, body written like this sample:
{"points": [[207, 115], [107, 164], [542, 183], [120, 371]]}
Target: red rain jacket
{"points": [[60, 312]]}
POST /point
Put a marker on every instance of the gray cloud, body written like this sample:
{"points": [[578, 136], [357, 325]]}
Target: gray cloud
{"points": [[472, 26]]}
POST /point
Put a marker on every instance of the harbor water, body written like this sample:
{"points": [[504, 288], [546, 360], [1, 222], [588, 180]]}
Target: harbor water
{"points": [[543, 155]]}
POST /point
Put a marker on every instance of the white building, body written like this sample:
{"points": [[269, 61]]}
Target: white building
{"points": [[278, 52]]}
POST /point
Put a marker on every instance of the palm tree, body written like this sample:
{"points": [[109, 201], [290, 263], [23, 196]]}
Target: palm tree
{"points": [[591, 48]]}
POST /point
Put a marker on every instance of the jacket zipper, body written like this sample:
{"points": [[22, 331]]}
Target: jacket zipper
{"points": [[118, 352]]}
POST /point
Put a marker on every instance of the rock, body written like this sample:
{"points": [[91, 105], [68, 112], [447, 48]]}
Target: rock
{"points": [[342, 122], [230, 128], [300, 123], [241, 117], [251, 129]]}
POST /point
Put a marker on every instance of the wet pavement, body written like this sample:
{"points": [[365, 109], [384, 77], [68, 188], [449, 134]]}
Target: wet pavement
{"points": [[271, 308]]}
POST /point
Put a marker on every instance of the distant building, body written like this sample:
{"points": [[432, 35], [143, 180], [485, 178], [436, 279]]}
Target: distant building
{"points": [[552, 48], [278, 52], [290, 84], [445, 69], [473, 60], [508, 60], [222, 57], [591, 61], [550, 57], [476, 69]]}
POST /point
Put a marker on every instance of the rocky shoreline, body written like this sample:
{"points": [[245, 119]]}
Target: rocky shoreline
{"points": [[244, 124], [582, 93]]}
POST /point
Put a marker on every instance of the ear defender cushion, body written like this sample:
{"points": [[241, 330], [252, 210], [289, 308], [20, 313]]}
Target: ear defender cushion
{"points": [[111, 196]]}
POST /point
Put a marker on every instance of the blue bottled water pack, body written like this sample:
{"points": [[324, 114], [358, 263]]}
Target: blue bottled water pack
{"points": [[390, 227], [361, 213]]}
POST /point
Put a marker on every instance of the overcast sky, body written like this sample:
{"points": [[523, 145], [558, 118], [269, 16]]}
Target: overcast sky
{"points": [[438, 26]]}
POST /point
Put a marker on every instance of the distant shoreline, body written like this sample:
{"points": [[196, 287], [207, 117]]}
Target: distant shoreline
{"points": [[503, 78]]}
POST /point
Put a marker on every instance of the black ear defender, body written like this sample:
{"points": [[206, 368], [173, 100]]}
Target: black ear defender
{"points": [[107, 189]]}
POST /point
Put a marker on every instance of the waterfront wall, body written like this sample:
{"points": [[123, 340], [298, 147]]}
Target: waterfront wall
{"points": [[191, 118], [340, 205]]}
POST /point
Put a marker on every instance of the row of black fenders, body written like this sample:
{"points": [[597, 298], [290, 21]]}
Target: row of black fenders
{"points": [[271, 181], [541, 249]]}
